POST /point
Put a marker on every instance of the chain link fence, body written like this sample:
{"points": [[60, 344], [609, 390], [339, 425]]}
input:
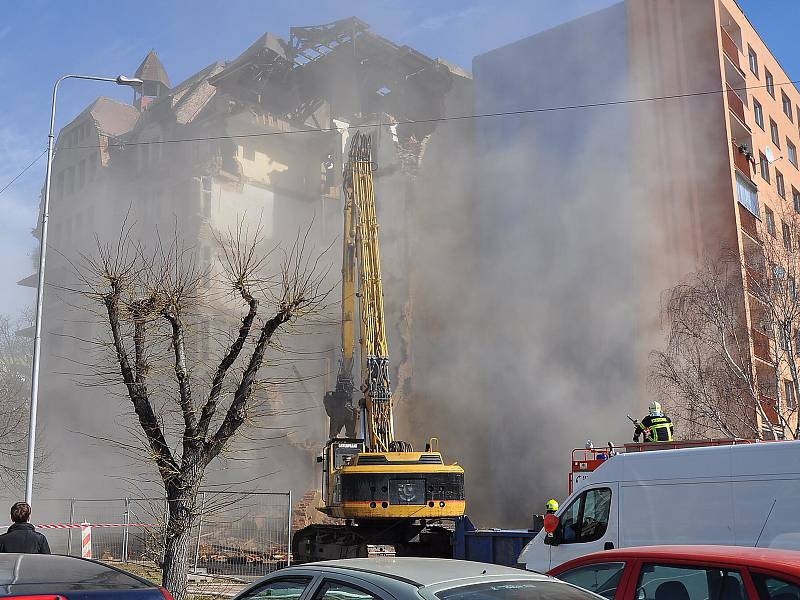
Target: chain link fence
{"points": [[240, 534]]}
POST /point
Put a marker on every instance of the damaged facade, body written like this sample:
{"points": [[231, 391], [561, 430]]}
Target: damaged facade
{"points": [[257, 138]]}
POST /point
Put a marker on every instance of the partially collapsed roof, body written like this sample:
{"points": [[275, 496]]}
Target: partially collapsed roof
{"points": [[112, 117]]}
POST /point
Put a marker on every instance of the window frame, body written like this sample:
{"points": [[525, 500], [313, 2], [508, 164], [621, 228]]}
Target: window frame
{"points": [[791, 152], [357, 584], [757, 572], [786, 102], [769, 80], [780, 184], [786, 232], [581, 499], [758, 113], [688, 563], [796, 199], [625, 572], [763, 163], [310, 584], [774, 133], [769, 220], [752, 60]]}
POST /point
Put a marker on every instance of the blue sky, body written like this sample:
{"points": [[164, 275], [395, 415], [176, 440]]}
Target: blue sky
{"points": [[41, 40]]}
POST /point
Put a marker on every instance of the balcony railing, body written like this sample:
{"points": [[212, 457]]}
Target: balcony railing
{"points": [[770, 406], [742, 163], [736, 105], [761, 346], [748, 222], [730, 48]]}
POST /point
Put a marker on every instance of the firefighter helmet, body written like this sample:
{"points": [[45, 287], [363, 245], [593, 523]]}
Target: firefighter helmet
{"points": [[655, 409], [551, 506]]}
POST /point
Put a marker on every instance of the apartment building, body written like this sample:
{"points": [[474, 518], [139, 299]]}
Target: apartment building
{"points": [[605, 207], [764, 125]]}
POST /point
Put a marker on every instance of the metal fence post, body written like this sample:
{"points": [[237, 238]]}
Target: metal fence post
{"points": [[125, 533], [199, 531], [289, 531], [69, 531]]}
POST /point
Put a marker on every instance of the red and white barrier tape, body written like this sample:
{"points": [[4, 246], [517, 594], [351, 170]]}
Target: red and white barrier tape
{"points": [[78, 525]]}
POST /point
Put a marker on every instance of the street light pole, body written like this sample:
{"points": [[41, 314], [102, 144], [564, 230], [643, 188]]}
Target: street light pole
{"points": [[37, 340]]}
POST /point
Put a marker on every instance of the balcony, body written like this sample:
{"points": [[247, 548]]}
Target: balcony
{"points": [[770, 406], [730, 48], [735, 104], [761, 346], [748, 222], [741, 162]]}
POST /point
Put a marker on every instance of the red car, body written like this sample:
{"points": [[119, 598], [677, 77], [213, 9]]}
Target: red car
{"points": [[687, 573]]}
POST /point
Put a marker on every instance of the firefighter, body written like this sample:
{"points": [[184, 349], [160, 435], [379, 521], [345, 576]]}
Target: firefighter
{"points": [[656, 426], [551, 507]]}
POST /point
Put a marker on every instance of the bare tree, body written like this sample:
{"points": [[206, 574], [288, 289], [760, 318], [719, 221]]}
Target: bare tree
{"points": [[15, 370], [154, 297], [708, 374], [772, 273]]}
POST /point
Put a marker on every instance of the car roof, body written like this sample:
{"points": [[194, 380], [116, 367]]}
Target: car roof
{"points": [[788, 560], [22, 569], [422, 572]]}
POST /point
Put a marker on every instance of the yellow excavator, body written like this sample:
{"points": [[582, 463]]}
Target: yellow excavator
{"points": [[387, 494]]}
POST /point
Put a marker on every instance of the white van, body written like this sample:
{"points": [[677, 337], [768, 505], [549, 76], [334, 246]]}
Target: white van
{"points": [[742, 495]]}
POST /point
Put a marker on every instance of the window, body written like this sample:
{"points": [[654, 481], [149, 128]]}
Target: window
{"points": [[772, 588], [510, 589], [788, 394], [602, 578], [282, 589], [796, 199], [758, 112], [791, 150], [773, 132], [770, 216], [667, 582], [797, 344], [764, 166], [335, 590], [787, 236], [787, 105], [779, 183], [586, 519], [783, 342], [748, 196], [770, 82], [752, 57]]}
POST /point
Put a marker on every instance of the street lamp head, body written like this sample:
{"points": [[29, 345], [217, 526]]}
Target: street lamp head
{"points": [[129, 81]]}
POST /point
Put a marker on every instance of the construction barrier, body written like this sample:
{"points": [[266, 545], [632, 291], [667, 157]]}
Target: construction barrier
{"points": [[235, 533], [86, 540]]}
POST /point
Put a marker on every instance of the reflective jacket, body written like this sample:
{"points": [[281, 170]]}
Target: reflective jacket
{"points": [[660, 429]]}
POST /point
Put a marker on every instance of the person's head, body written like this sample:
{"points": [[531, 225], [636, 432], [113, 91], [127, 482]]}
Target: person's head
{"points": [[551, 506], [21, 512], [655, 409]]}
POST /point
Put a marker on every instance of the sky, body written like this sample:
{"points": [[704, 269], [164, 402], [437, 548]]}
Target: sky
{"points": [[41, 40]]}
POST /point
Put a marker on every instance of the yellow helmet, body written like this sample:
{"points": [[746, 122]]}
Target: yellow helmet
{"points": [[551, 506]]}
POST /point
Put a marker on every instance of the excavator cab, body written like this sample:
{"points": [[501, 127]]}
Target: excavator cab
{"points": [[338, 453]]}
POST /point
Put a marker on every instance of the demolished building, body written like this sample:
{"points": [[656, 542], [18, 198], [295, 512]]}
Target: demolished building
{"points": [[257, 138]]}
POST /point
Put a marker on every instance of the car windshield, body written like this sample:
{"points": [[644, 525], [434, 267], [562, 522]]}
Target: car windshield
{"points": [[517, 590]]}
